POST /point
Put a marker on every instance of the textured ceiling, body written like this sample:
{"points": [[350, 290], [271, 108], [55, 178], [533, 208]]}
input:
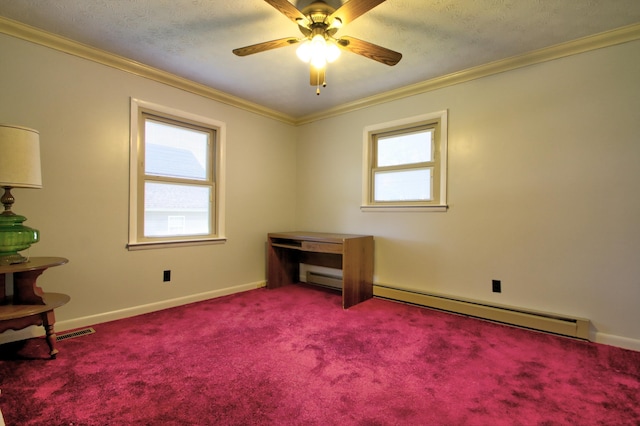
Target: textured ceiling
{"points": [[194, 39]]}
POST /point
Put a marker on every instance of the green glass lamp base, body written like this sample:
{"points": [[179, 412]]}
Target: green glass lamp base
{"points": [[14, 237], [12, 259]]}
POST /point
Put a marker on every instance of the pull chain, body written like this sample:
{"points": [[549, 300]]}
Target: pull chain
{"points": [[324, 81]]}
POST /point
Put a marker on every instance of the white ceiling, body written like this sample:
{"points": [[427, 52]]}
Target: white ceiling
{"points": [[194, 39]]}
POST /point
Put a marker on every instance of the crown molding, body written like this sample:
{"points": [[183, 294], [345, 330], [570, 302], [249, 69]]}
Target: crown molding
{"points": [[62, 44], [585, 44]]}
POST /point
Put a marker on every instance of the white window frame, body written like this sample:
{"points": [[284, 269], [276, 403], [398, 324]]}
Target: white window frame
{"points": [[439, 119], [136, 179]]}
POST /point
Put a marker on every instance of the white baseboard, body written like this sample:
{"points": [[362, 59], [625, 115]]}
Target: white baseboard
{"points": [[618, 341], [34, 331]]}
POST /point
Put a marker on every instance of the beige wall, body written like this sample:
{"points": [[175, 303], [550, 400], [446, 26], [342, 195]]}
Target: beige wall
{"points": [[543, 191], [543, 184], [82, 112]]}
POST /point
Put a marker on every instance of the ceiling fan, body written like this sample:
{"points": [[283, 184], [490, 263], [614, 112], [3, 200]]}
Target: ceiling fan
{"points": [[318, 24]]}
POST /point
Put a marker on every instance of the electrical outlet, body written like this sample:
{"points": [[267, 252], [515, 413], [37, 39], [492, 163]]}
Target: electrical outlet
{"points": [[166, 277], [496, 286]]}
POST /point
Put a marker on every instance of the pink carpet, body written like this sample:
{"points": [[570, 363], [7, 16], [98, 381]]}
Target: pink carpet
{"points": [[292, 356]]}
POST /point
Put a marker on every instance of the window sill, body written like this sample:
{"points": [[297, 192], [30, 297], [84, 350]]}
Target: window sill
{"points": [[147, 245], [434, 208]]}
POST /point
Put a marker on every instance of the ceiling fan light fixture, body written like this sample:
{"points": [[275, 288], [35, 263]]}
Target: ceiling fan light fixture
{"points": [[332, 52], [319, 22], [304, 51], [319, 62], [318, 51]]}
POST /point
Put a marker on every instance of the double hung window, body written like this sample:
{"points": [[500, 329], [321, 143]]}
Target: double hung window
{"points": [[176, 177], [405, 164]]}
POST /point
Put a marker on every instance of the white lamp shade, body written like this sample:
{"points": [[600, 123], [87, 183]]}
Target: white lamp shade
{"points": [[19, 157]]}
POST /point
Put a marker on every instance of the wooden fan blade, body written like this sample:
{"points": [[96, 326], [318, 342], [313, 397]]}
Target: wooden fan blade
{"points": [[287, 9], [370, 50], [353, 9], [267, 45]]}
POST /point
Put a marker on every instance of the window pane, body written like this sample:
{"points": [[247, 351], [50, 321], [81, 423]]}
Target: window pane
{"points": [[407, 148], [405, 185], [171, 209], [174, 151]]}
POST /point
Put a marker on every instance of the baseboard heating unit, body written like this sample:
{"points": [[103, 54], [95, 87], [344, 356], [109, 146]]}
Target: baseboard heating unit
{"points": [[324, 280], [542, 321]]}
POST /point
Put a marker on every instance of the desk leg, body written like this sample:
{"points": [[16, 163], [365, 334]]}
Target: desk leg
{"points": [[48, 321], [357, 271], [283, 267]]}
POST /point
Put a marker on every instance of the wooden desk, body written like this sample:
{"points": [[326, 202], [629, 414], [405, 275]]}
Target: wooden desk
{"points": [[30, 305], [351, 253]]}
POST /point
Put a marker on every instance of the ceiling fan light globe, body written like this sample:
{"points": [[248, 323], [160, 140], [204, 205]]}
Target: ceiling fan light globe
{"points": [[304, 52], [318, 43], [319, 62], [332, 52], [318, 50]]}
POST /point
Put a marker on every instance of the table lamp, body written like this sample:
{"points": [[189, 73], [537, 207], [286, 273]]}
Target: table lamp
{"points": [[19, 168]]}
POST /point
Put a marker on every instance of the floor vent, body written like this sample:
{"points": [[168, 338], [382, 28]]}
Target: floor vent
{"points": [[76, 333], [542, 321]]}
